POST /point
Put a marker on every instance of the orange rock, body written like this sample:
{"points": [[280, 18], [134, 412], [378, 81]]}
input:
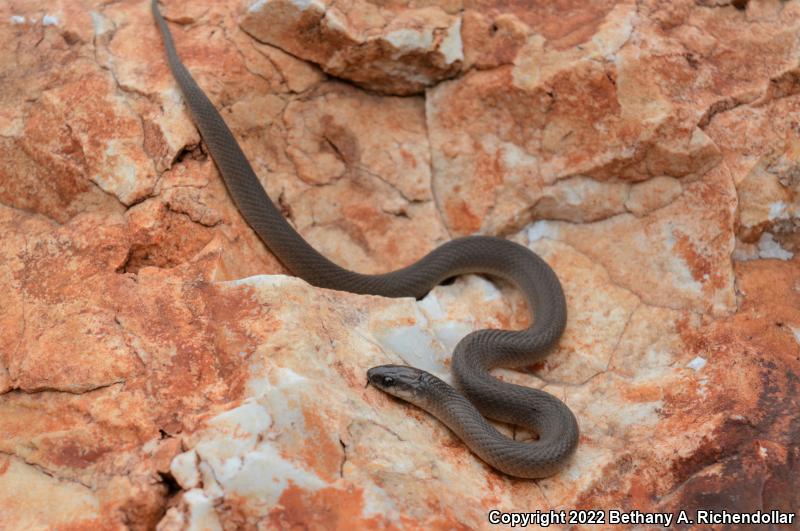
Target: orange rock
{"points": [[158, 369], [389, 48]]}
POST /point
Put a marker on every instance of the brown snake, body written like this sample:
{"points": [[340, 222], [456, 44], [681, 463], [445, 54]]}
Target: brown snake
{"points": [[474, 356]]}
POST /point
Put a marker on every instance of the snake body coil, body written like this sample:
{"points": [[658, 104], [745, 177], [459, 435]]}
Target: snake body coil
{"points": [[473, 357]]}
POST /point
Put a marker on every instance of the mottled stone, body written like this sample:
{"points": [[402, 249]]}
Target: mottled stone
{"points": [[761, 146], [677, 256], [625, 104], [380, 47], [159, 368], [364, 167]]}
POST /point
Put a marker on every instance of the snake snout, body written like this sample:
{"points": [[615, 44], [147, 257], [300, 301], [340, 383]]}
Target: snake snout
{"points": [[396, 380]]}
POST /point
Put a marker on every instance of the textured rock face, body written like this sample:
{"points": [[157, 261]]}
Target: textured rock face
{"points": [[396, 49], [158, 366]]}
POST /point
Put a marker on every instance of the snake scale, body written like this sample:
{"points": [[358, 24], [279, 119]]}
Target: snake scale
{"points": [[482, 395]]}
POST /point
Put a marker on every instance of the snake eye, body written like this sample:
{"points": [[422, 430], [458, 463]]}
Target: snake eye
{"points": [[388, 381]]}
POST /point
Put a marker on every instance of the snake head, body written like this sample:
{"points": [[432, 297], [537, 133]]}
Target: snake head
{"points": [[397, 380]]}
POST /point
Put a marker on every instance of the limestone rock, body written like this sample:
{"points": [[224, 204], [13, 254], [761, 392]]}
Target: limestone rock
{"points": [[626, 102], [766, 168], [390, 49], [159, 368]]}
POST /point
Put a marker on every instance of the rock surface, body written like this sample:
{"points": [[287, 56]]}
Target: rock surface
{"points": [[385, 46], [158, 368]]}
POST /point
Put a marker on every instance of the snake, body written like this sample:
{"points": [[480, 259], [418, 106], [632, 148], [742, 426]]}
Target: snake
{"points": [[477, 395]]}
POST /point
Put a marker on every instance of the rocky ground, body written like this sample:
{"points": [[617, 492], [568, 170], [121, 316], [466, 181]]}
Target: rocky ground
{"points": [[158, 366]]}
